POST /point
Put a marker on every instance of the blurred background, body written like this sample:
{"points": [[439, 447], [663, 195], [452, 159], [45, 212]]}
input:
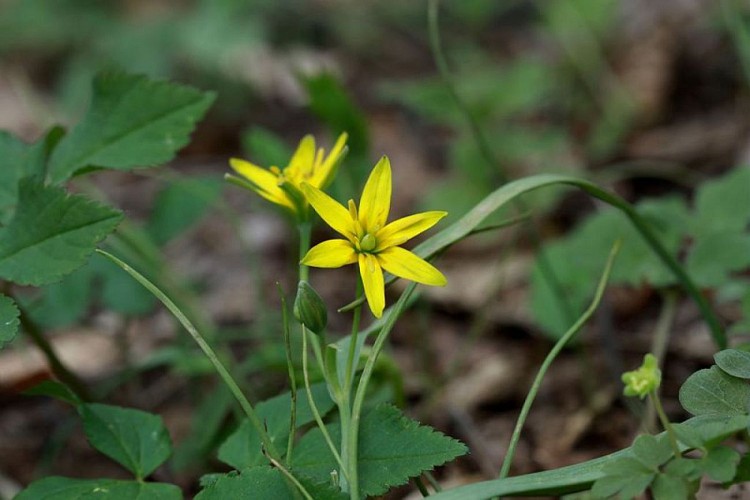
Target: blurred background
{"points": [[649, 99]]}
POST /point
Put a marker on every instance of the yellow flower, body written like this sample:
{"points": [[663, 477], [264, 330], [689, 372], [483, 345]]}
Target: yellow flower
{"points": [[371, 242], [282, 187]]}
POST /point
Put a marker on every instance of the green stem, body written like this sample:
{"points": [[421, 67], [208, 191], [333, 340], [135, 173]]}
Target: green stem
{"points": [[350, 458], [207, 350], [659, 346], [567, 337], [292, 378], [359, 397], [291, 478], [314, 407], [665, 422], [305, 229], [421, 487], [55, 363]]}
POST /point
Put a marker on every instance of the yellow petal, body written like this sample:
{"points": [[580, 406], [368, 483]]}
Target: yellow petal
{"points": [[404, 229], [404, 264], [372, 279], [301, 164], [331, 253], [376, 197], [265, 183], [326, 171], [330, 211]]}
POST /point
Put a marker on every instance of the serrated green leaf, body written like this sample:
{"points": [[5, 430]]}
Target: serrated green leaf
{"points": [[133, 122], [713, 392], [17, 160], [669, 487], [652, 451], [243, 447], [51, 233], [54, 389], [135, 439], [260, 483], [65, 488], [734, 362], [9, 321], [392, 448], [180, 205], [720, 463]]}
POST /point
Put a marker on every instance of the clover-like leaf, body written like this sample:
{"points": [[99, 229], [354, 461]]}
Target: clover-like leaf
{"points": [[734, 362], [720, 463], [135, 439], [133, 122], [713, 392], [624, 477], [51, 233]]}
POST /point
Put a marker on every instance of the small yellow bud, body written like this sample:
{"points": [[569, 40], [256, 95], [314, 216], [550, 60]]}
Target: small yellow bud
{"points": [[644, 380]]}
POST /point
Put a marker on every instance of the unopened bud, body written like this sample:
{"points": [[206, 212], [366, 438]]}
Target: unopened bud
{"points": [[309, 308]]}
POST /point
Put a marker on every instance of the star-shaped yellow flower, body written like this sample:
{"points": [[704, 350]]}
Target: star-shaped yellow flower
{"points": [[282, 187], [370, 242]]}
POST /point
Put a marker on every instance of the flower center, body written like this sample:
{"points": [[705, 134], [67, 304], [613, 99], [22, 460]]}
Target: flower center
{"points": [[368, 243]]}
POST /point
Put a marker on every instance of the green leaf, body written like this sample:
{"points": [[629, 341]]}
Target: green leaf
{"points": [[135, 439], [713, 392], [652, 451], [263, 483], [669, 487], [17, 160], [392, 448], [734, 362], [65, 302], [133, 122], [51, 233], [709, 430], [265, 147], [714, 256], [243, 447], [8, 320], [55, 390], [625, 478], [720, 463], [182, 204], [722, 205], [64, 488]]}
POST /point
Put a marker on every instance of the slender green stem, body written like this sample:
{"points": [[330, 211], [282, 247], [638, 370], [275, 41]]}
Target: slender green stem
{"points": [[305, 229], [314, 407], [431, 479], [56, 365], [350, 366], [567, 337], [665, 422], [421, 487], [345, 410], [659, 346], [256, 422], [290, 372], [291, 477], [359, 397]]}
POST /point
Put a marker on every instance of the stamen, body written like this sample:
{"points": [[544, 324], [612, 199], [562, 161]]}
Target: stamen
{"points": [[353, 210]]}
